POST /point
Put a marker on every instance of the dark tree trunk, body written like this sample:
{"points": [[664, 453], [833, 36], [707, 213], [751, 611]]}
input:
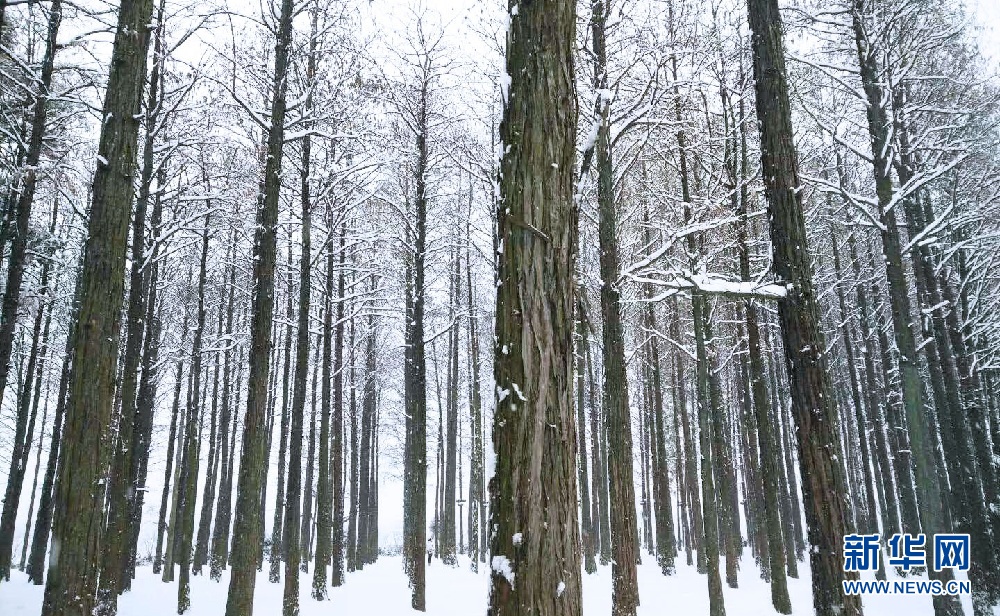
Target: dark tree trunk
{"points": [[15, 274], [534, 542], [930, 504], [290, 604], [277, 548], [337, 424], [79, 512], [192, 445], [146, 399], [813, 402], [324, 501], [663, 504], [247, 529], [415, 457], [46, 504], [308, 492], [122, 491], [624, 534], [588, 535], [227, 434], [477, 496], [448, 551], [366, 468]]}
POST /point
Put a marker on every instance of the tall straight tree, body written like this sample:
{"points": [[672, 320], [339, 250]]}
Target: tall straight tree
{"points": [[324, 503], [534, 538], [624, 546], [247, 527], [15, 275], [293, 495], [814, 404], [188, 487], [79, 510], [415, 370]]}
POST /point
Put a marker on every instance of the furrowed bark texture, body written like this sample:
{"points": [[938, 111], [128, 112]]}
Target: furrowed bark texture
{"points": [[79, 512], [813, 403], [534, 539]]}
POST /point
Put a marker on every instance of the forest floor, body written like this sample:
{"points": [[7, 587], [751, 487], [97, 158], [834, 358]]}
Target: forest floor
{"points": [[381, 590]]}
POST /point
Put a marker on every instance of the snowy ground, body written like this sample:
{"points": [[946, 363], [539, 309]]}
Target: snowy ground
{"points": [[381, 590]]}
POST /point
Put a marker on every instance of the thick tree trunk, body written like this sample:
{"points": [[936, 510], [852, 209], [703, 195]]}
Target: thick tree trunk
{"points": [[534, 542], [813, 403], [415, 458], [122, 491], [79, 512]]}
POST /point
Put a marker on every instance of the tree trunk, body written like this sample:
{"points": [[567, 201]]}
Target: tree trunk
{"points": [[79, 511], [586, 523], [625, 589], [46, 504], [227, 431], [324, 483], [477, 497], [415, 458], [337, 424], [813, 403], [290, 604], [15, 275], [247, 529], [929, 500], [189, 484], [535, 542]]}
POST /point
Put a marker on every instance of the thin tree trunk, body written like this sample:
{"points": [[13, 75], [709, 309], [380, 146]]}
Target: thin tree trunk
{"points": [[247, 529], [227, 431], [15, 274], [625, 590], [290, 604], [192, 445]]}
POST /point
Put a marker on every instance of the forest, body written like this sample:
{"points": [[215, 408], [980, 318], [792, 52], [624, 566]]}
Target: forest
{"points": [[536, 307]]}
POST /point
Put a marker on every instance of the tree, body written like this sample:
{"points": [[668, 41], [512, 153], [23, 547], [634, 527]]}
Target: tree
{"points": [[535, 539], [15, 275], [625, 551], [294, 492], [78, 519], [247, 531], [813, 403]]}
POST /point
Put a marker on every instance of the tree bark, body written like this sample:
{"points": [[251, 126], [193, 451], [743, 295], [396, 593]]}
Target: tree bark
{"points": [[77, 526], [535, 542]]}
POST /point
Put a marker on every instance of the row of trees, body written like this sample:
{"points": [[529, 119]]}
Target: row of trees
{"points": [[729, 267]]}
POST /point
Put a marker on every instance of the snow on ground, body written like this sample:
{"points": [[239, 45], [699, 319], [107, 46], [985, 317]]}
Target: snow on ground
{"points": [[381, 590]]}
